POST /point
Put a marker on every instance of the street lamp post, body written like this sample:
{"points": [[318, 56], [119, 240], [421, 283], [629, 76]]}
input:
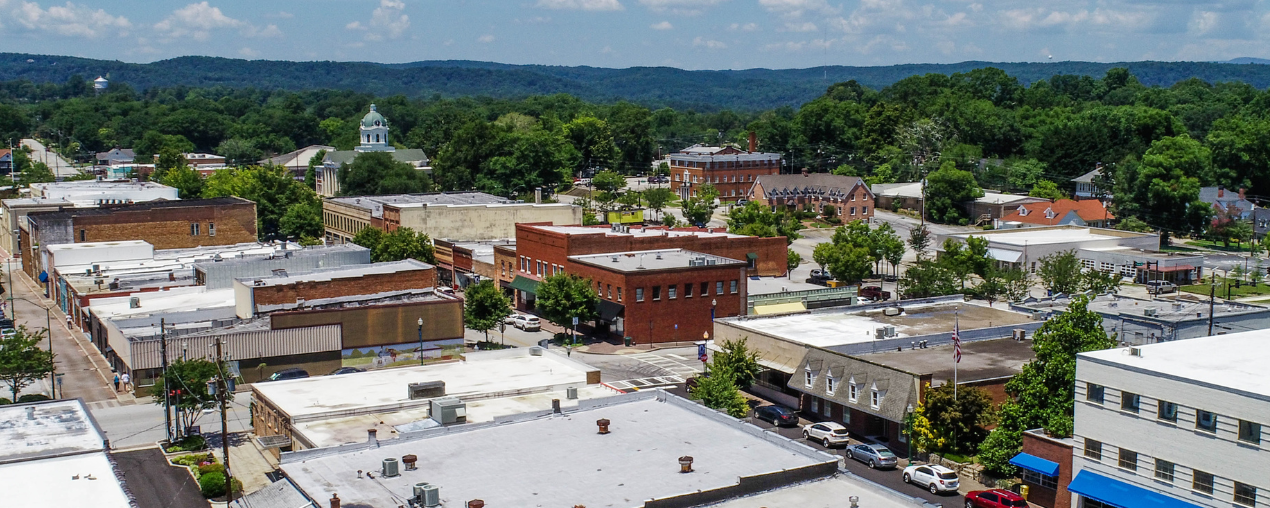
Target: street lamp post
{"points": [[421, 341], [713, 304], [908, 421]]}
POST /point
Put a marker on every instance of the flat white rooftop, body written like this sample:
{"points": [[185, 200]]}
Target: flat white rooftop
{"points": [[175, 299], [1232, 362], [484, 373], [342, 272], [842, 325], [640, 232], [653, 260], [50, 482], [825, 493], [1042, 236], [30, 431], [562, 460]]}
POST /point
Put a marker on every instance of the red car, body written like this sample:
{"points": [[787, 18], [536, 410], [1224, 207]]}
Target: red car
{"points": [[875, 293], [995, 498]]}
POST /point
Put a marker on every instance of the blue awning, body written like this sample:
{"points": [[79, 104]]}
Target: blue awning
{"points": [[1035, 464], [1120, 494]]}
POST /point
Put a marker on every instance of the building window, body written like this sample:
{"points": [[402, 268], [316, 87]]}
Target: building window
{"points": [[830, 384], [815, 405], [670, 292], [619, 294], [1040, 480], [853, 210], [807, 377], [1164, 470], [1093, 449], [864, 210], [610, 290], [1128, 459], [1094, 393], [734, 286], [1206, 421], [718, 288], [211, 229], [1201, 481], [875, 399], [639, 294], [826, 408], [194, 229], [1167, 411], [705, 289], [853, 392], [656, 293], [1245, 494], [1129, 401], [1249, 432], [688, 290], [83, 234]]}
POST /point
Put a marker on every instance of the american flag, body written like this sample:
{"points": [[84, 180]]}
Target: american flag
{"points": [[956, 338]]}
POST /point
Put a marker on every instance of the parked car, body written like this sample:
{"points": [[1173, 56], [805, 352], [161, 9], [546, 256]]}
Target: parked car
{"points": [[875, 455], [995, 498], [817, 273], [777, 415], [935, 478], [874, 293], [1161, 286], [286, 374], [527, 323], [346, 370], [8, 332], [828, 433]]}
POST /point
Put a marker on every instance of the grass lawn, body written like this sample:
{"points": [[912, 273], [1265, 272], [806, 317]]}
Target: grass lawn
{"points": [[1235, 292], [1209, 244]]}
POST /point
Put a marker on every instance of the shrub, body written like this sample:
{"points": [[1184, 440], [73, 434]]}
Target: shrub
{"points": [[32, 397], [189, 444], [4, 401], [207, 469], [212, 484], [194, 460]]}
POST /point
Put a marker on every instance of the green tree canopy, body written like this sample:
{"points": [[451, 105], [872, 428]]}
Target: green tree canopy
{"points": [[485, 308], [285, 208], [736, 358], [22, 361], [186, 383], [959, 421], [377, 173], [756, 219], [1048, 190], [947, 189], [562, 297]]}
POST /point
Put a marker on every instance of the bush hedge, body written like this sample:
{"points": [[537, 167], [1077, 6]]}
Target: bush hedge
{"points": [[206, 469], [189, 444], [4, 401], [32, 397], [212, 484]]}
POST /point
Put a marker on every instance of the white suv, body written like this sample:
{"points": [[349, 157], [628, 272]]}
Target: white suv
{"points": [[526, 323], [828, 433], [936, 479]]}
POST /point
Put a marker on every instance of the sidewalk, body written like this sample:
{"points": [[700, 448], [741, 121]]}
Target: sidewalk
{"points": [[82, 371]]}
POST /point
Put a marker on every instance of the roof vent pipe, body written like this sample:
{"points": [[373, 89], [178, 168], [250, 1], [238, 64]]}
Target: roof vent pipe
{"points": [[335, 500], [372, 438], [685, 464], [603, 424], [476, 503]]}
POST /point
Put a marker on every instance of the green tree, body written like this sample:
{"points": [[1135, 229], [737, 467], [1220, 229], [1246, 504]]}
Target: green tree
{"points": [[275, 193], [310, 173], [756, 219], [1061, 272], [593, 140], [658, 198], [927, 278], [792, 261], [564, 296], [485, 308], [169, 158], [1133, 224], [1048, 190], [1043, 393], [404, 243], [959, 420], [1099, 281], [1169, 179], [22, 362], [947, 189], [919, 239], [370, 238], [377, 173], [303, 221], [736, 358], [718, 391], [697, 210], [186, 384], [30, 171], [238, 151], [187, 181]]}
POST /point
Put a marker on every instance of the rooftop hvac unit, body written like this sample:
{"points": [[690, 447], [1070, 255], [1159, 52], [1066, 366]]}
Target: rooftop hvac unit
{"points": [[879, 333], [449, 410], [535, 351], [134, 303], [890, 330], [571, 393], [390, 468], [427, 495], [427, 390], [1148, 312]]}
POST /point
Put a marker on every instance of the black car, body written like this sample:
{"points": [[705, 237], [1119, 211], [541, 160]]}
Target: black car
{"points": [[286, 374], [345, 370], [777, 415]]}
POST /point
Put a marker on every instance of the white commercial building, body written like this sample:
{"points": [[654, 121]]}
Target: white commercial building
{"points": [[53, 453], [1174, 425]]}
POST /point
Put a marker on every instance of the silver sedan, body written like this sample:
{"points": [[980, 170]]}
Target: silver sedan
{"points": [[875, 455]]}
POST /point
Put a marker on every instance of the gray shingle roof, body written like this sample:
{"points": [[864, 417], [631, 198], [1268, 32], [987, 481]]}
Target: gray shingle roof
{"points": [[822, 185], [411, 155], [900, 387]]}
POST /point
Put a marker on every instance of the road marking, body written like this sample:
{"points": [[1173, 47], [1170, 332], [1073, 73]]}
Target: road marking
{"points": [[646, 382], [675, 356]]}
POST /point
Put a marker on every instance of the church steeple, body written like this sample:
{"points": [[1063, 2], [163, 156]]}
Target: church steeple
{"points": [[374, 133]]}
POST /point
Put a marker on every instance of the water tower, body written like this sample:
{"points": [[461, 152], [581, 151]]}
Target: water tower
{"points": [[100, 84]]}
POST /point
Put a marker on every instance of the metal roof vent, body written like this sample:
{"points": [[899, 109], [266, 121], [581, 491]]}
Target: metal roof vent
{"points": [[1135, 351], [134, 303], [658, 255]]}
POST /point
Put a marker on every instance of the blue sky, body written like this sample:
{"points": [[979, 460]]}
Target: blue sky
{"points": [[692, 34]]}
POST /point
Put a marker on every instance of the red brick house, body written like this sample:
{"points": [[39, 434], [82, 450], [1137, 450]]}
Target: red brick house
{"points": [[731, 170], [848, 194]]}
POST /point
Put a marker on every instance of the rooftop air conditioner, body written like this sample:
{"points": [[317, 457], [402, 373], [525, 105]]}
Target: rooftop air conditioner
{"points": [[449, 410], [427, 390], [134, 303]]}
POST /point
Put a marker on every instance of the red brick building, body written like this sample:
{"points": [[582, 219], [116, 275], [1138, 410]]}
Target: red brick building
{"points": [[667, 295], [849, 195], [286, 291], [1045, 490], [731, 170]]}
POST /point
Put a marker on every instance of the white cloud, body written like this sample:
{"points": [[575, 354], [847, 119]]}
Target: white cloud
{"points": [[664, 25], [708, 43], [800, 27], [748, 27], [796, 8], [1043, 18], [198, 21], [680, 7], [70, 20], [388, 20], [487, 38], [248, 52], [355, 25], [581, 5]]}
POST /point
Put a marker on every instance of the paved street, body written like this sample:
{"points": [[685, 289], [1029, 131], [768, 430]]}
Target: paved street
{"points": [[59, 166], [157, 484], [141, 424], [82, 370]]}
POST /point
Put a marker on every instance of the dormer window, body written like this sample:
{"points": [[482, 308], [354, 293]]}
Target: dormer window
{"points": [[1023, 211]]}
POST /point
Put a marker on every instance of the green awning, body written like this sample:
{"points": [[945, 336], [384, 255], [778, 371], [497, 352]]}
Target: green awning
{"points": [[525, 284], [609, 310], [751, 256]]}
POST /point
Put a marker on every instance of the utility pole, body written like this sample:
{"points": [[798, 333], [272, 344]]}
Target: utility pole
{"points": [[223, 391], [167, 390], [1212, 289]]}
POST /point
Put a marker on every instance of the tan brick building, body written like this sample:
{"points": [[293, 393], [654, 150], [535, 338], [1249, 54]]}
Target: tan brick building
{"points": [[163, 224], [731, 170], [258, 295]]}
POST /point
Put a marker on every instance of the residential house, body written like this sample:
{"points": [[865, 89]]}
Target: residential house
{"points": [[1062, 212]]}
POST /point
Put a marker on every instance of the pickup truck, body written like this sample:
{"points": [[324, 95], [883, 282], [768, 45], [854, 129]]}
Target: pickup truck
{"points": [[874, 293]]}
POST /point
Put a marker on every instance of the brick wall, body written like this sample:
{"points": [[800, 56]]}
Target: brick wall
{"points": [[654, 321], [1054, 451], [555, 248], [371, 283], [170, 228]]}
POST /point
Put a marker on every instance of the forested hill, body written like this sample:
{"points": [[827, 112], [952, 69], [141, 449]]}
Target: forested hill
{"points": [[752, 89]]}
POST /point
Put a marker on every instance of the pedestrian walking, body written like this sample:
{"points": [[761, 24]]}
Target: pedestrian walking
{"points": [[127, 382], [116, 383], [68, 321]]}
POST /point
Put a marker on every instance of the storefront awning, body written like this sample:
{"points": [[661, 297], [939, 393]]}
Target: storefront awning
{"points": [[610, 310], [525, 284], [1120, 494], [751, 256], [1035, 464], [779, 308], [1004, 255]]}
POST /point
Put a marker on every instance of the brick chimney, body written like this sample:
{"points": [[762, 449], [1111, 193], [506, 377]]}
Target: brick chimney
{"points": [[1221, 192], [335, 500], [753, 142]]}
